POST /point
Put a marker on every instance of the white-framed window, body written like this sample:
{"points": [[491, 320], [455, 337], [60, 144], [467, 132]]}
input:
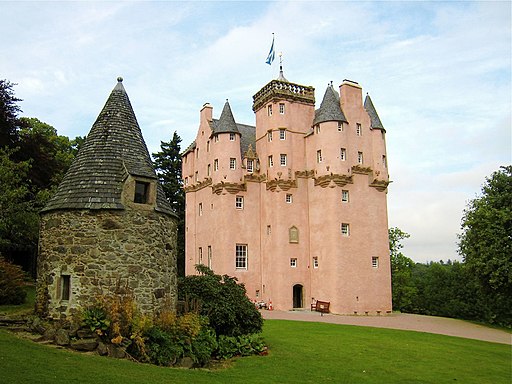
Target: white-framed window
{"points": [[289, 198], [282, 159], [293, 262], [384, 161], [216, 164], [319, 156], [315, 262], [360, 157], [269, 230], [317, 128], [232, 163], [345, 229], [375, 262], [241, 256], [340, 126], [186, 180], [231, 136], [282, 134], [250, 165], [270, 161], [200, 209], [239, 202], [210, 256], [343, 154], [281, 108], [344, 196], [269, 136], [359, 131], [200, 255], [269, 110], [209, 170]]}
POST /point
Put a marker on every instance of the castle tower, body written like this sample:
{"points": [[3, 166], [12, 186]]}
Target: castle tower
{"points": [[108, 229], [306, 216]]}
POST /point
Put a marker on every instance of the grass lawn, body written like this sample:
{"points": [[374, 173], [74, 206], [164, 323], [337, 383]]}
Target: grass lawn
{"points": [[300, 352]]}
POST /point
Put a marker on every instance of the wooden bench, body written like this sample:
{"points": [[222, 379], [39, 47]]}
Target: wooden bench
{"points": [[321, 306]]}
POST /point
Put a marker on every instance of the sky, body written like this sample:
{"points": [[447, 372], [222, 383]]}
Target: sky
{"points": [[439, 74]]}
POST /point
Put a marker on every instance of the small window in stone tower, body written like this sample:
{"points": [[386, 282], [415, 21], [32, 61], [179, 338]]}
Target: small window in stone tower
{"points": [[232, 163], [282, 134], [65, 287], [340, 126], [293, 262], [315, 262], [343, 154], [360, 157], [282, 159], [239, 202], [375, 262], [384, 161], [270, 161], [319, 156], [141, 192], [281, 108], [231, 136], [269, 136], [344, 196], [345, 229], [269, 109], [289, 198], [359, 132]]}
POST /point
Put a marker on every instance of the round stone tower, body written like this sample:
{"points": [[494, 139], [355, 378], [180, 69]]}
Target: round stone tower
{"points": [[109, 228]]}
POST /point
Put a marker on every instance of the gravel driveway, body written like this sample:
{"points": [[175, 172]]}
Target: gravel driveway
{"points": [[430, 324]]}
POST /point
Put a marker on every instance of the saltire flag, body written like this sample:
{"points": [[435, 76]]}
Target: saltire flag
{"points": [[271, 54]]}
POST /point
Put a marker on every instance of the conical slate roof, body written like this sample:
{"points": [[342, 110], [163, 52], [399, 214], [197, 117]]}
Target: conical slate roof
{"points": [[330, 108], [113, 149], [226, 122], [372, 112]]}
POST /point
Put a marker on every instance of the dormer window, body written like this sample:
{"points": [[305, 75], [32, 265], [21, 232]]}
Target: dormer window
{"points": [[141, 192]]}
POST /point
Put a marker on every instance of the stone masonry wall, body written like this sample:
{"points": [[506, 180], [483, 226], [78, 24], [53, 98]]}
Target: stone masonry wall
{"points": [[105, 252]]}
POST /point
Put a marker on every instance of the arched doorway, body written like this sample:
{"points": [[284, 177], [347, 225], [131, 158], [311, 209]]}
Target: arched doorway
{"points": [[298, 301]]}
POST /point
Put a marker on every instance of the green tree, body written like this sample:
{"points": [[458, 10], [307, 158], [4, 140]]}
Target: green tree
{"points": [[49, 154], [8, 114], [486, 239], [19, 220], [167, 164], [401, 269]]}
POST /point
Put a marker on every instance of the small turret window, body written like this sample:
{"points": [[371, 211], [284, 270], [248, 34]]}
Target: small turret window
{"points": [[343, 154], [282, 134], [250, 165], [319, 156], [269, 136], [269, 109], [141, 192], [360, 157], [359, 132], [340, 126], [231, 136], [281, 108], [232, 163]]}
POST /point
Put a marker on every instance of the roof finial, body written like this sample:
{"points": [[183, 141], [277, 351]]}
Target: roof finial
{"points": [[120, 79], [281, 75]]}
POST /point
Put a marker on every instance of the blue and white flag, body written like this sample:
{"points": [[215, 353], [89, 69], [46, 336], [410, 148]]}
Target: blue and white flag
{"points": [[271, 54]]}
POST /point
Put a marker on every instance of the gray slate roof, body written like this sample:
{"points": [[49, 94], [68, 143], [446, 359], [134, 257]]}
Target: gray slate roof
{"points": [[330, 108], [113, 149], [226, 122], [372, 112]]}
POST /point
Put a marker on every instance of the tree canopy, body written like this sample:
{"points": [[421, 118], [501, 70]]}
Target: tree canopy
{"points": [[486, 239], [9, 110]]}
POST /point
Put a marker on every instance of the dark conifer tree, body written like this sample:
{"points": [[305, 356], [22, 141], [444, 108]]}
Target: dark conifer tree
{"points": [[167, 164]]}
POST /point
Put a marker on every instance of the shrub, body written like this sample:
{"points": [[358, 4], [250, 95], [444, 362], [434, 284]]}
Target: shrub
{"points": [[223, 301], [11, 283], [246, 345]]}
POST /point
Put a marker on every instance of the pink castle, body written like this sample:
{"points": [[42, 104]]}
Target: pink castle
{"points": [[295, 208]]}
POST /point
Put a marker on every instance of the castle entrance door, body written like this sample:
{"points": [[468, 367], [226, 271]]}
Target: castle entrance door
{"points": [[298, 301]]}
